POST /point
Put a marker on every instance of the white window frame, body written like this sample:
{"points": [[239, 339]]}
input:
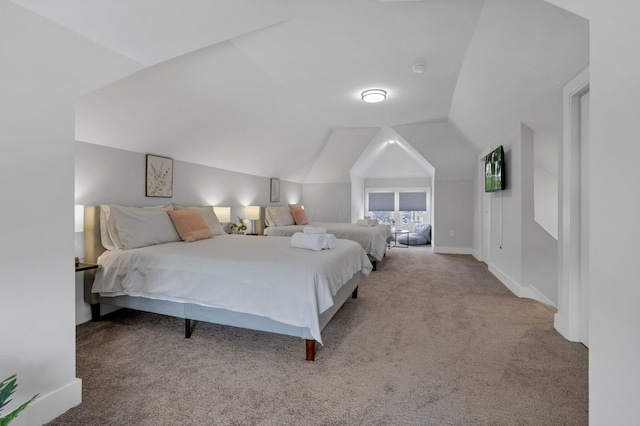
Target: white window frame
{"points": [[396, 202]]}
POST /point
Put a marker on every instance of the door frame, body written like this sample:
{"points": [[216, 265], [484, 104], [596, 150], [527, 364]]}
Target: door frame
{"points": [[570, 262]]}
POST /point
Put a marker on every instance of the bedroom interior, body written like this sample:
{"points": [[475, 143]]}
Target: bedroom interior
{"points": [[491, 77], [468, 352]]}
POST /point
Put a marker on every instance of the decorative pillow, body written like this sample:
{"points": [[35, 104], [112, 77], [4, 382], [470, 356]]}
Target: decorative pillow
{"points": [[299, 215], [209, 216], [280, 216], [190, 225], [140, 227]]}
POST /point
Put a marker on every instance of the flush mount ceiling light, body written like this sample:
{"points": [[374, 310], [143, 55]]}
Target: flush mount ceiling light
{"points": [[374, 95]]}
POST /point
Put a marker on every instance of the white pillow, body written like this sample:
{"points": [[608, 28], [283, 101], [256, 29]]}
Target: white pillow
{"points": [[209, 217], [140, 227], [267, 217], [108, 233], [280, 216]]}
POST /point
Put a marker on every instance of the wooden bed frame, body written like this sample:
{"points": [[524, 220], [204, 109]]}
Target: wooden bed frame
{"points": [[191, 311]]}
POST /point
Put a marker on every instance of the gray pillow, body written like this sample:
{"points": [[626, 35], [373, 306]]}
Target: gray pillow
{"points": [[140, 227]]}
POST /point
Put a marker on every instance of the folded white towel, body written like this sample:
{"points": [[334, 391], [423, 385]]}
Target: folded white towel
{"points": [[309, 241], [366, 222], [314, 230], [331, 242]]}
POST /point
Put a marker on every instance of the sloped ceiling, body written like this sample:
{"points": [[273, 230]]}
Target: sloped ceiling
{"points": [[389, 155], [187, 109], [271, 88], [154, 31], [517, 78]]}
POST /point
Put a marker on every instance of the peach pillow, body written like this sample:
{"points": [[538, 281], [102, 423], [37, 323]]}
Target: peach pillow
{"points": [[190, 225], [299, 216]]}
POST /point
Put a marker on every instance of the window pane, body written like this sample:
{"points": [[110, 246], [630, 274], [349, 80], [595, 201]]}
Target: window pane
{"points": [[412, 216], [381, 201], [383, 217], [413, 201]]}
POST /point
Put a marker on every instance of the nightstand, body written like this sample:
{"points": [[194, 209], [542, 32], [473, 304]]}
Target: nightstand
{"points": [[85, 266], [88, 282]]}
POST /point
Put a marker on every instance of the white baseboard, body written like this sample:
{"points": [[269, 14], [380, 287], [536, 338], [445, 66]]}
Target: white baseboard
{"points": [[562, 327], [505, 279], [518, 289], [452, 250], [48, 407]]}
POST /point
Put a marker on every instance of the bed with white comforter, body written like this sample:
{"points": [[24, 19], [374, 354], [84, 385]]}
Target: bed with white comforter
{"points": [[373, 239], [266, 284], [259, 276]]}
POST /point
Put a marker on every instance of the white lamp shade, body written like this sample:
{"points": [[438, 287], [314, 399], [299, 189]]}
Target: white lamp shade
{"points": [[252, 212], [223, 213], [79, 218]]}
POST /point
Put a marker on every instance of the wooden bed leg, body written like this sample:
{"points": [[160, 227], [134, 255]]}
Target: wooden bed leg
{"points": [[187, 328], [375, 265], [311, 350], [95, 312], [354, 295]]}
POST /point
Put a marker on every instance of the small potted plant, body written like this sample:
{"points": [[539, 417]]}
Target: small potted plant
{"points": [[7, 388], [237, 228]]}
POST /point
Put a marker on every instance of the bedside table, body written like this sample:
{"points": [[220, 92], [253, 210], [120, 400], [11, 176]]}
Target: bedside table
{"points": [[85, 266]]}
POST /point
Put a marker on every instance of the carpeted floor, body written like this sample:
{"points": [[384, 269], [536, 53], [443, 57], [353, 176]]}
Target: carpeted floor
{"points": [[431, 340]]}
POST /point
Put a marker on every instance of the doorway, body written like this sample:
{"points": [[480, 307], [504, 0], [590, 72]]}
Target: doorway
{"points": [[572, 318]]}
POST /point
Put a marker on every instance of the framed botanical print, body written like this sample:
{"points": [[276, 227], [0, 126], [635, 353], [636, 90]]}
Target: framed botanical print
{"points": [[275, 190], [159, 177]]}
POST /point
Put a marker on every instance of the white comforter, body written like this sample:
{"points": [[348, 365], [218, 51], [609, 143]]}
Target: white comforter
{"points": [[372, 238], [254, 275]]}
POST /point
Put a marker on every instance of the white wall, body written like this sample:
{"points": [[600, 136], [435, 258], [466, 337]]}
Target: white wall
{"points": [[114, 176], [398, 183], [522, 254], [506, 222], [357, 197], [539, 248], [453, 213], [44, 68], [545, 182], [614, 341], [329, 202]]}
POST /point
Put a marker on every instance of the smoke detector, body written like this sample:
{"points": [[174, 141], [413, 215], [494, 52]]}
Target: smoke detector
{"points": [[418, 68]]}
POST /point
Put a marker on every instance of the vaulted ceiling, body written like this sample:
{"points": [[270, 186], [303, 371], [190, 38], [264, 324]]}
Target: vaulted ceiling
{"points": [[272, 87]]}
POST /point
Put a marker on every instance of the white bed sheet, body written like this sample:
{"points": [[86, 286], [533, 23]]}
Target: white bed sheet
{"points": [[372, 238], [254, 275]]}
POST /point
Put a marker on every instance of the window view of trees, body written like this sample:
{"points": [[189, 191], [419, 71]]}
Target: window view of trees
{"points": [[410, 206]]}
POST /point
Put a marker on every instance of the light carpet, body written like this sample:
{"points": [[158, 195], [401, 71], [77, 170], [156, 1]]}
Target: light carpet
{"points": [[431, 340]]}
